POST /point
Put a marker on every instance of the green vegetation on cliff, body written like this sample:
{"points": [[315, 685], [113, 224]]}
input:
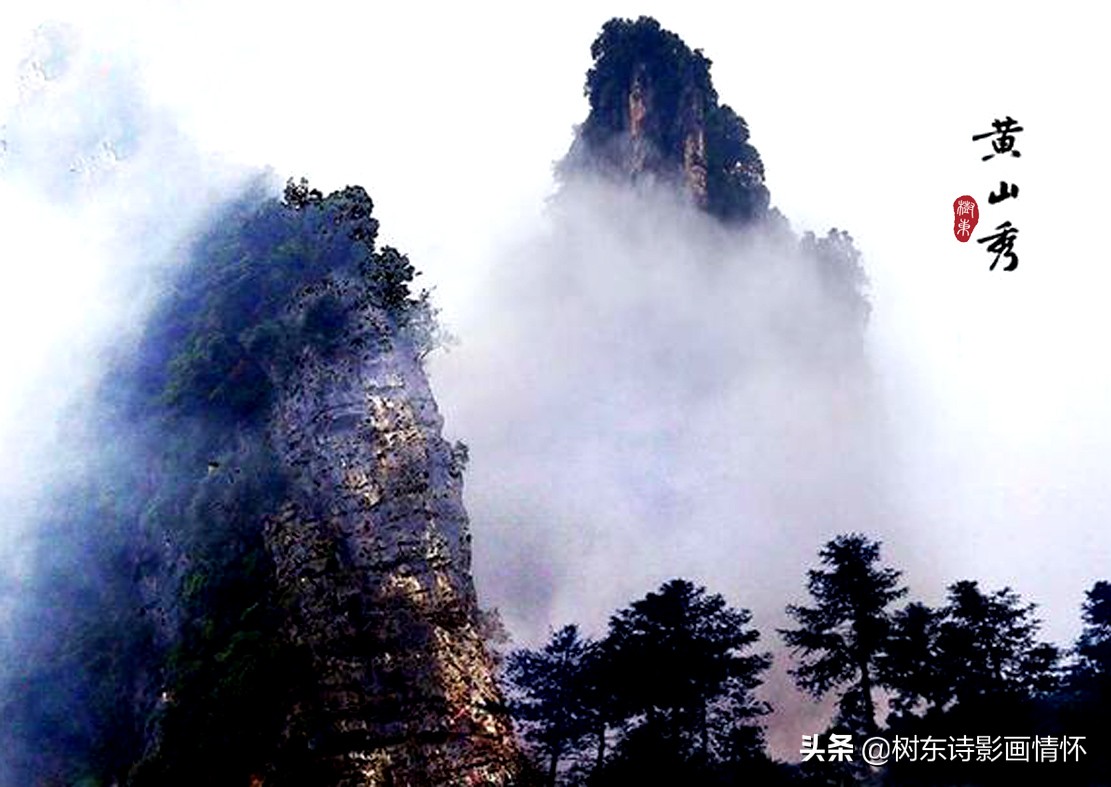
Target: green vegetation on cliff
{"points": [[229, 333]]}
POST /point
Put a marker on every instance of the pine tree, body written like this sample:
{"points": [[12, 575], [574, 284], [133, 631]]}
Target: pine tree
{"points": [[548, 697], [1089, 679], [681, 660], [1093, 648], [986, 642], [910, 666], [841, 639]]}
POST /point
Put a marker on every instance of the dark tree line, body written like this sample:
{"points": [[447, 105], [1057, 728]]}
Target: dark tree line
{"points": [[669, 695]]}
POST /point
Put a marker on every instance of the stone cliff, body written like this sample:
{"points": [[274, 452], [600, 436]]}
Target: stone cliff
{"points": [[373, 552], [634, 152]]}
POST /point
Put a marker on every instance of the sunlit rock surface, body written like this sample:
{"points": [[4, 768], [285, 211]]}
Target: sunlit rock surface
{"points": [[373, 551]]}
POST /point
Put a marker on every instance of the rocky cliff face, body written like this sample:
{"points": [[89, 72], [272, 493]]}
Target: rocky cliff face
{"points": [[637, 155], [373, 552]]}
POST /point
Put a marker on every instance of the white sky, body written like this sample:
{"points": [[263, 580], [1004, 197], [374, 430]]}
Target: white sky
{"points": [[451, 116]]}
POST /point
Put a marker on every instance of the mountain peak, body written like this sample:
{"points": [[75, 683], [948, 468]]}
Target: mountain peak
{"points": [[654, 113]]}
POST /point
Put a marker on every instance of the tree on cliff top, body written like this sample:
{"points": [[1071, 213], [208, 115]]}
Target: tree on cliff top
{"points": [[227, 334]]}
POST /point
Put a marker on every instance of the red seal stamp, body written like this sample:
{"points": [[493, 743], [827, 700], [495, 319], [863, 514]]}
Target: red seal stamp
{"points": [[965, 215]]}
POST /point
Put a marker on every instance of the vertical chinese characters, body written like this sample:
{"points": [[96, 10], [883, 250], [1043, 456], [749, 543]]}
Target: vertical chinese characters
{"points": [[1002, 243]]}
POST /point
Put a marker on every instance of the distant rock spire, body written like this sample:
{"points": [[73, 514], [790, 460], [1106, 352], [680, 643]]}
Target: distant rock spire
{"points": [[654, 114]]}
